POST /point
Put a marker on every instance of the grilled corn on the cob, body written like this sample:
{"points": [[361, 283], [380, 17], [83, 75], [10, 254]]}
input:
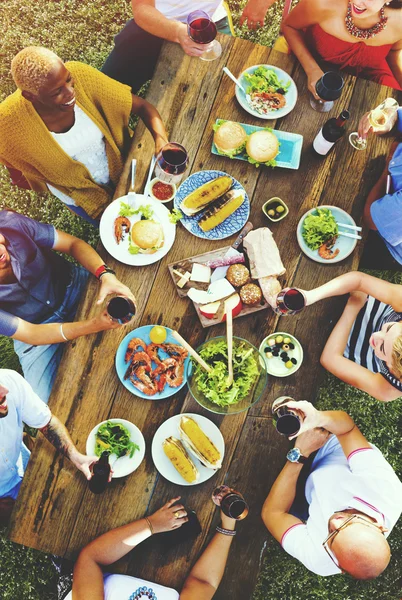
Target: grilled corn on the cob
{"points": [[197, 442], [221, 209], [179, 458], [205, 194]]}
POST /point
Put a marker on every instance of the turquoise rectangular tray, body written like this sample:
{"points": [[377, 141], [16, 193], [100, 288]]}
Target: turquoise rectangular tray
{"points": [[289, 151]]}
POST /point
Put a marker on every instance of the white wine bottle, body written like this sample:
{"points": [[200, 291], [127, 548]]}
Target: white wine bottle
{"points": [[332, 131]]}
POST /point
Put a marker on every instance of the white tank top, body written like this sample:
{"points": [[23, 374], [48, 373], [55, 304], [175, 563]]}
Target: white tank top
{"points": [[180, 9], [123, 587]]}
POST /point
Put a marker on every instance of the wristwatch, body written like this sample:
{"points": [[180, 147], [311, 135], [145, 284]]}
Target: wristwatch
{"points": [[102, 270], [295, 456]]}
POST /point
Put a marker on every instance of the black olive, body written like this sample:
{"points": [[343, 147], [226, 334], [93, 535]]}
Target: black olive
{"points": [[294, 361], [291, 346], [280, 91], [284, 354]]}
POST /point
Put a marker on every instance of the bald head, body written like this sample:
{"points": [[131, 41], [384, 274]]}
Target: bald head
{"points": [[362, 551]]}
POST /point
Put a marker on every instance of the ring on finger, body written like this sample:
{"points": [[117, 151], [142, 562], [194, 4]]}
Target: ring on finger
{"points": [[177, 514]]}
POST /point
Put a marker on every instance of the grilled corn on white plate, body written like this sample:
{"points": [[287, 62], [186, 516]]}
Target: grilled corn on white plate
{"points": [[171, 428]]}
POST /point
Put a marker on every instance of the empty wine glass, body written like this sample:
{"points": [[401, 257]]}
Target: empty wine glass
{"points": [[379, 119], [202, 30], [329, 88]]}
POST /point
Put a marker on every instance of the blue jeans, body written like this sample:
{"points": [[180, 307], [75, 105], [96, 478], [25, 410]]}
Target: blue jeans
{"points": [[136, 52], [40, 363]]}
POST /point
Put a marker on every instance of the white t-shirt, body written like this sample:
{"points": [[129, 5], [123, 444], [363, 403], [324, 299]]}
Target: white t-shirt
{"points": [[180, 9], [122, 587], [364, 481], [24, 406], [85, 143]]}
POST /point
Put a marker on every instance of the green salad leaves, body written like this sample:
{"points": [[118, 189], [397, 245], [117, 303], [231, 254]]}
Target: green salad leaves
{"points": [[318, 228], [175, 215], [213, 385], [115, 439], [128, 211], [265, 80]]}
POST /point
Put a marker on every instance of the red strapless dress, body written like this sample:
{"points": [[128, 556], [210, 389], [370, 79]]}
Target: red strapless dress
{"points": [[356, 58]]}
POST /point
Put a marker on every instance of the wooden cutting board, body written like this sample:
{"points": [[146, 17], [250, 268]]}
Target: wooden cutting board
{"points": [[202, 259]]}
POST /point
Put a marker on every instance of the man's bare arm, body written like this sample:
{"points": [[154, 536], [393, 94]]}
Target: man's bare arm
{"points": [[56, 433]]}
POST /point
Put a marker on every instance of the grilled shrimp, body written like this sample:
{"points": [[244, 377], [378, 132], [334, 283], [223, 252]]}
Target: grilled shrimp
{"points": [[325, 250], [121, 227]]}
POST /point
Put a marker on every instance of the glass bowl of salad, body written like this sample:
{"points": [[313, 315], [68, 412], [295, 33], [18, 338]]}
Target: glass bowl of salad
{"points": [[211, 391]]}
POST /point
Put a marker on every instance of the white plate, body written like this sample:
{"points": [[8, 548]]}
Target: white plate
{"points": [[171, 428], [120, 251], [345, 244], [125, 465], [291, 94], [275, 365]]}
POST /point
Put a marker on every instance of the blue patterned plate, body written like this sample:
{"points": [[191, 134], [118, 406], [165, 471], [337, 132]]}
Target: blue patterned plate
{"points": [[231, 225], [289, 150]]}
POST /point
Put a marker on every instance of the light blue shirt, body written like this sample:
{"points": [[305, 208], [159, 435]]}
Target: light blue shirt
{"points": [[387, 211], [24, 406]]}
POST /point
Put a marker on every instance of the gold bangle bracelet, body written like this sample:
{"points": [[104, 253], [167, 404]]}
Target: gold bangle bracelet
{"points": [[149, 525]]}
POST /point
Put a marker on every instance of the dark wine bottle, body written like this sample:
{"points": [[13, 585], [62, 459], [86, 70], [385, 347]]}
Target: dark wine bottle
{"points": [[332, 131], [101, 472]]}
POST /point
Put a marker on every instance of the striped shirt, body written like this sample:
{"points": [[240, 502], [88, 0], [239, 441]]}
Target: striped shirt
{"points": [[370, 319]]}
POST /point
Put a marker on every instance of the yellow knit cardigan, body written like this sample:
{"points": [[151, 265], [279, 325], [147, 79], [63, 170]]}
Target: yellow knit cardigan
{"points": [[27, 145]]}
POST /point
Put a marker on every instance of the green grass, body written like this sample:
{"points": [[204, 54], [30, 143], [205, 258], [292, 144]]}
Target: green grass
{"points": [[83, 30]]}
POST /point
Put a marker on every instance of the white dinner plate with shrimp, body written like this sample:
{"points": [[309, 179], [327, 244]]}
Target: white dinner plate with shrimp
{"points": [[170, 428], [155, 374], [121, 250]]}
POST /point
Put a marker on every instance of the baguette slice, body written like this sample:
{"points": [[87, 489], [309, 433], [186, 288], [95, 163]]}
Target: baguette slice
{"points": [[205, 194], [181, 461]]}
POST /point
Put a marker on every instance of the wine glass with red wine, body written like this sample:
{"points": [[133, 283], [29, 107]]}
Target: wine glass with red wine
{"points": [[171, 162], [202, 30], [290, 301]]}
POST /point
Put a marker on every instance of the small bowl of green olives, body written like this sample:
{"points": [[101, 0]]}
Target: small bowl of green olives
{"points": [[275, 209]]}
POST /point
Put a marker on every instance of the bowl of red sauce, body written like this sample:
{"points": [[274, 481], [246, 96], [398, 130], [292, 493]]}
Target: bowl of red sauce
{"points": [[161, 190]]}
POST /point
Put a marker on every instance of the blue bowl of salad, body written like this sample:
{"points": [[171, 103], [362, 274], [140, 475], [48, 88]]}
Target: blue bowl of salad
{"points": [[273, 93], [211, 391]]}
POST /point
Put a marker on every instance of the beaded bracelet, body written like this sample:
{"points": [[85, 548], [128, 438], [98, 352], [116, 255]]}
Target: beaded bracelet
{"points": [[230, 532], [149, 525]]}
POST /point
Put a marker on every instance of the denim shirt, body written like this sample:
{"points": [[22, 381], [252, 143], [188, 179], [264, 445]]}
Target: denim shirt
{"points": [[41, 274], [387, 211]]}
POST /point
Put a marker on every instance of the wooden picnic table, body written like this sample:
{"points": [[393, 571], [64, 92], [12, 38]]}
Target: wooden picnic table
{"points": [[55, 511]]}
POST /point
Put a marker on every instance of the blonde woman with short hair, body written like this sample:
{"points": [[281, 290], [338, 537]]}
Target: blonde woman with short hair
{"points": [[365, 346]]}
